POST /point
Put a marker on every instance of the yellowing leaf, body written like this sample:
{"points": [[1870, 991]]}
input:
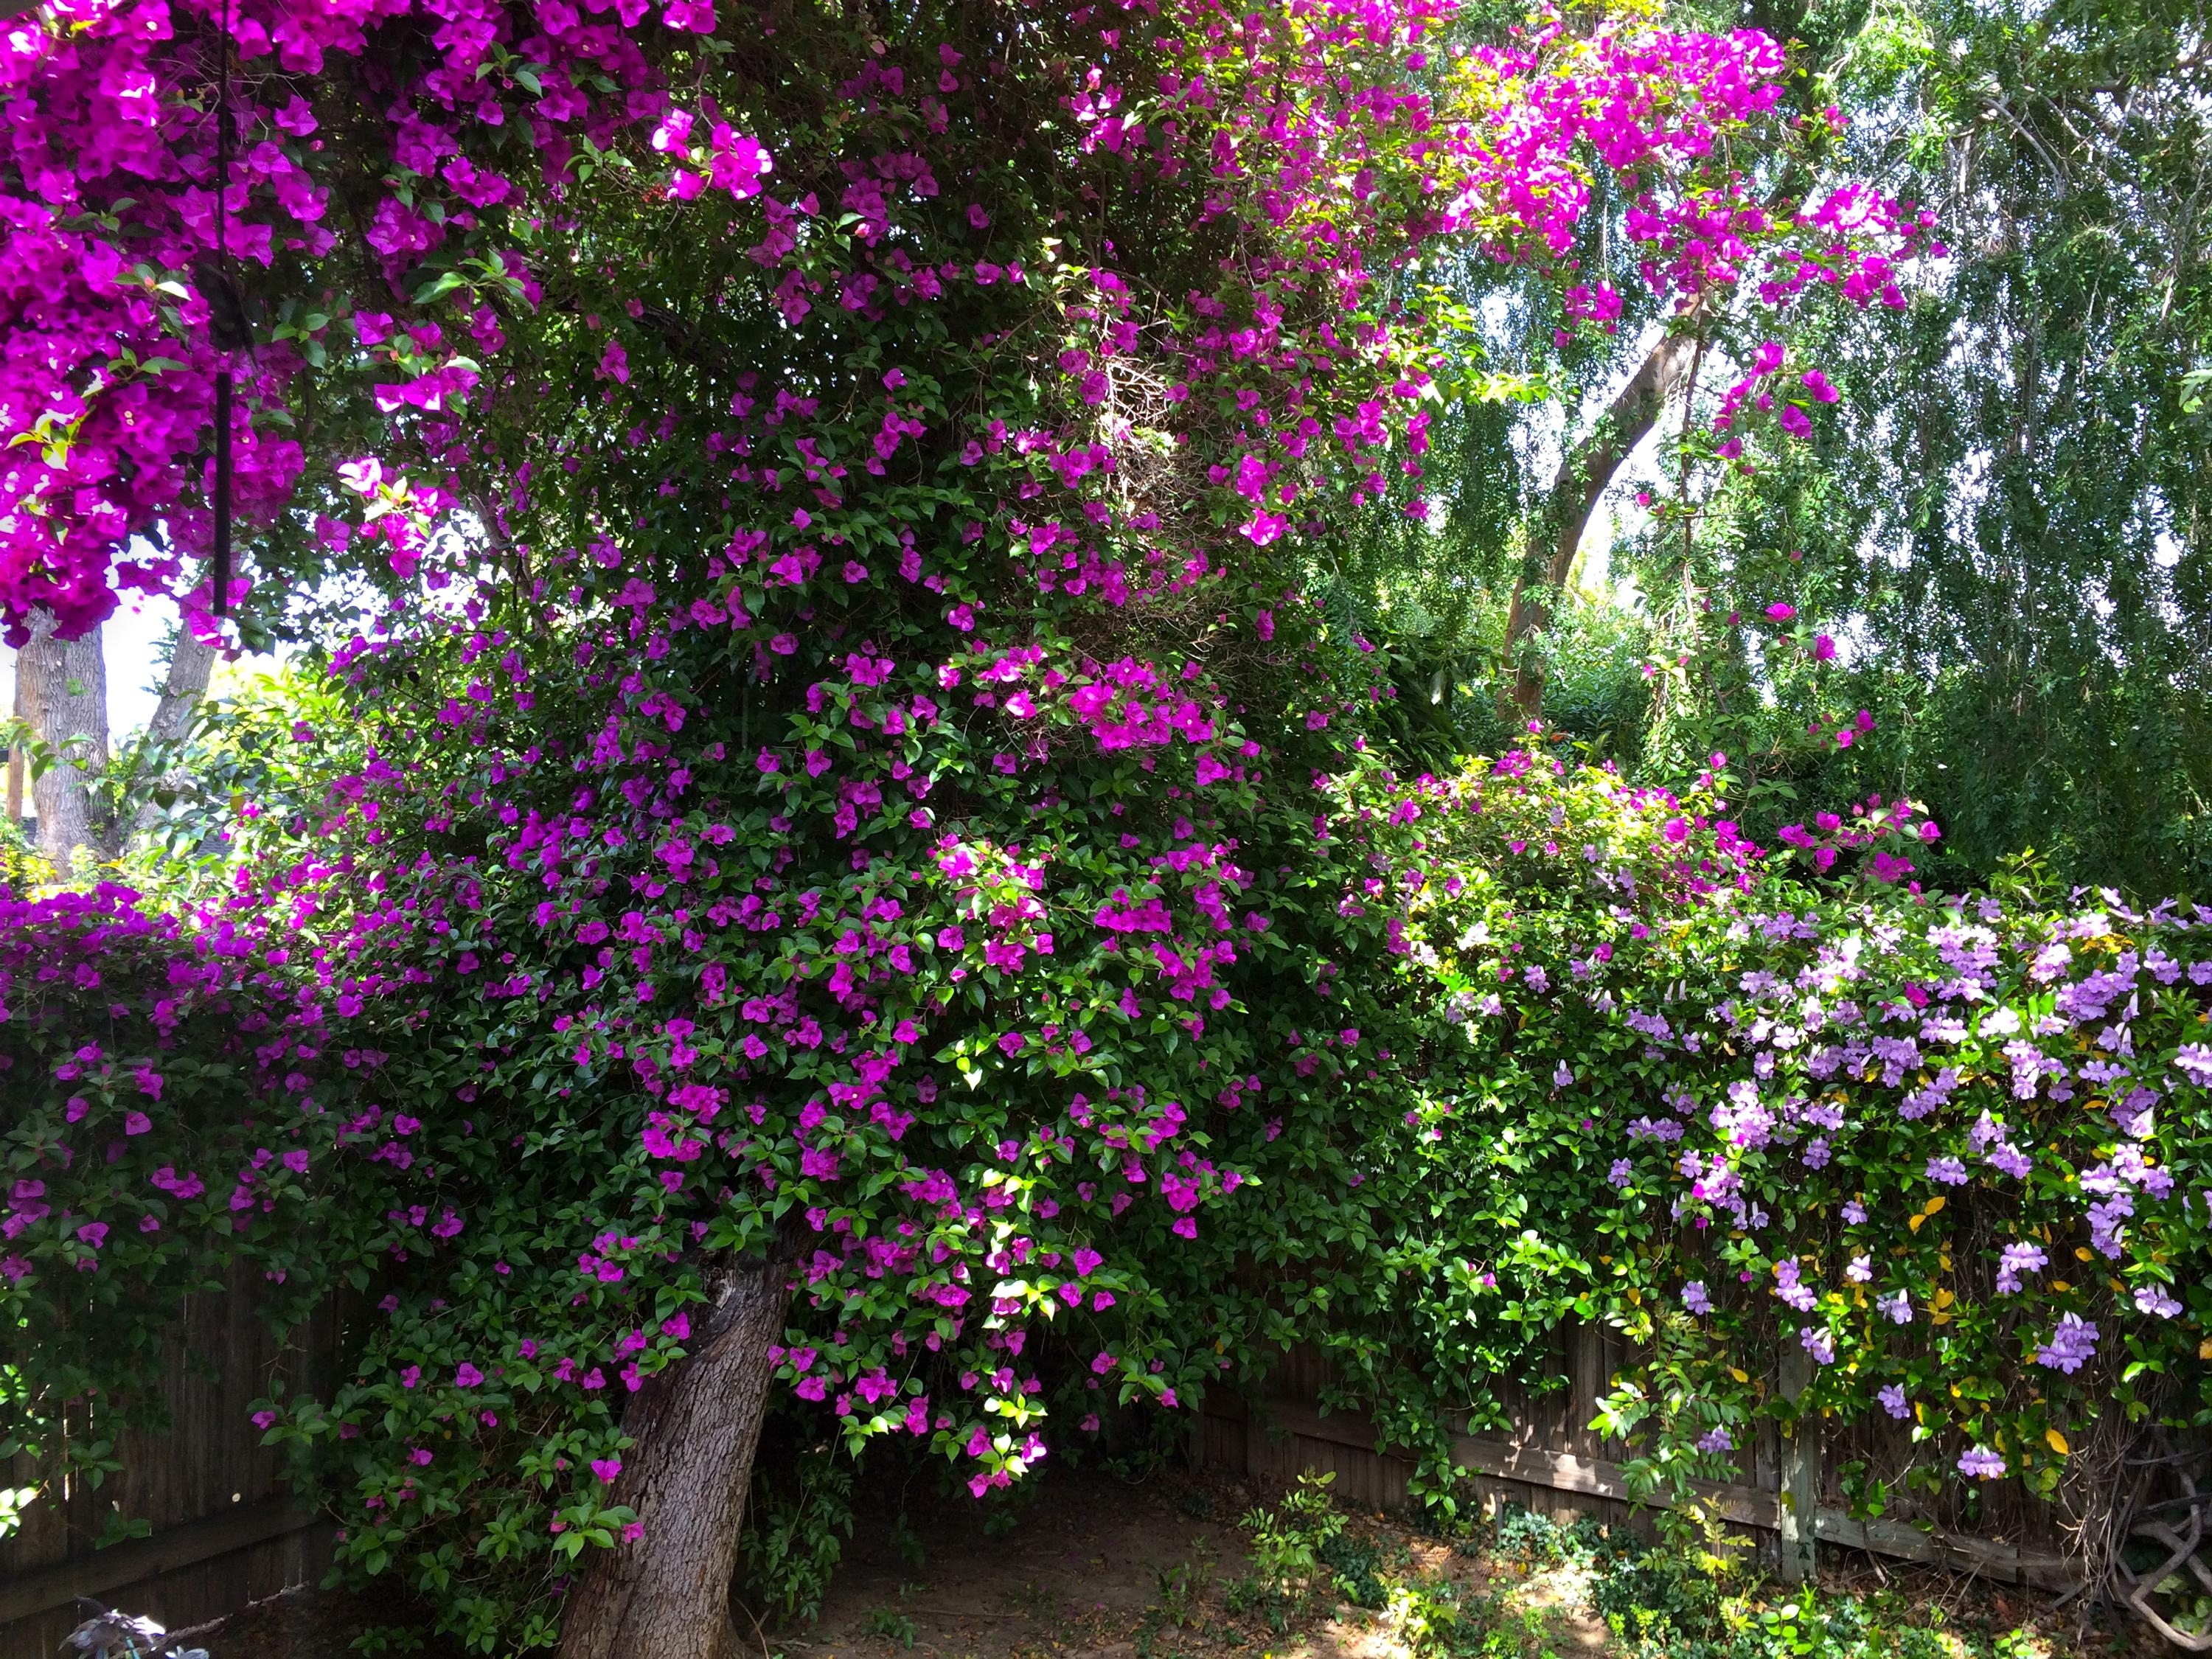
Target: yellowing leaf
{"points": [[1738, 1374], [2204, 1349], [2081, 1253], [1944, 1298], [1934, 1206], [2057, 1442], [1914, 1221]]}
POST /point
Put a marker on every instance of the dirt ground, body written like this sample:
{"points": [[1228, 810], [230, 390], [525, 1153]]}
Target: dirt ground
{"points": [[1095, 1567], [1092, 1568], [1098, 1568]]}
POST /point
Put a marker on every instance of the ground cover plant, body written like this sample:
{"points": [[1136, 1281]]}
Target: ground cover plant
{"points": [[826, 851]]}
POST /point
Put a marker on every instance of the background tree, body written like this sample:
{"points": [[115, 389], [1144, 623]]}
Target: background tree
{"points": [[1997, 525]]}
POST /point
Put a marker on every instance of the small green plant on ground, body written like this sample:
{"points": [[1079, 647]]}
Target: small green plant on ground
{"points": [[1183, 1587], [795, 1536], [1357, 1567], [907, 1542], [1287, 1572], [1691, 1596], [894, 1625], [1435, 1618]]}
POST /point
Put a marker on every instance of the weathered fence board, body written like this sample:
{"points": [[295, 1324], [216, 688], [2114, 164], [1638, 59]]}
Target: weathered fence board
{"points": [[225, 1530], [1556, 1466]]}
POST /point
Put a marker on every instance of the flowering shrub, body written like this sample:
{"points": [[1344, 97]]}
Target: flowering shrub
{"points": [[1955, 1151]]}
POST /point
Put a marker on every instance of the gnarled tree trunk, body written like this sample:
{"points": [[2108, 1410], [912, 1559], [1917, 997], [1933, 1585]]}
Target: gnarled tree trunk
{"points": [[191, 665], [1586, 468], [61, 690], [667, 1596]]}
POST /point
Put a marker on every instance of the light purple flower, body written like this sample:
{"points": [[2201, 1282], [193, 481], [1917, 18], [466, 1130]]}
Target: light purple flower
{"points": [[1892, 1402], [1981, 1464], [1694, 1298], [1716, 1440], [2105, 1219], [2018, 1259], [2071, 1346], [1621, 1174], [2007, 1159], [2153, 1300], [1946, 1171], [1818, 1343], [1786, 1286], [1898, 1307]]}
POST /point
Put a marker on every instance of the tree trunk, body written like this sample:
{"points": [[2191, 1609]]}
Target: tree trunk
{"points": [[1585, 470], [667, 1596], [190, 667], [61, 690]]}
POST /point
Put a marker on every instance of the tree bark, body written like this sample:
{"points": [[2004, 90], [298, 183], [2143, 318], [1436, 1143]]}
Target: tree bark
{"points": [[667, 1596], [190, 665], [61, 691], [1585, 471]]}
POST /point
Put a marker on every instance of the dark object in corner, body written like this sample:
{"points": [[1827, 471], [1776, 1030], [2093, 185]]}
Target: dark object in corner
{"points": [[109, 1634]]}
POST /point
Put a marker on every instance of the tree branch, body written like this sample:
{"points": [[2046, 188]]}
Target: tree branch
{"points": [[1585, 471]]}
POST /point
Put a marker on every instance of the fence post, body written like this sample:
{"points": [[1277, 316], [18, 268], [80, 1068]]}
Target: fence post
{"points": [[1800, 1473]]}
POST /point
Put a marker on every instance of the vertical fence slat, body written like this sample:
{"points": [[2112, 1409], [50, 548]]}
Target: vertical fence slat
{"points": [[207, 1462], [1550, 1430]]}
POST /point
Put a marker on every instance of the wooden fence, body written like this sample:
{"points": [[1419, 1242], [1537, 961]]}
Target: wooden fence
{"points": [[1553, 1464], [224, 1531]]}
